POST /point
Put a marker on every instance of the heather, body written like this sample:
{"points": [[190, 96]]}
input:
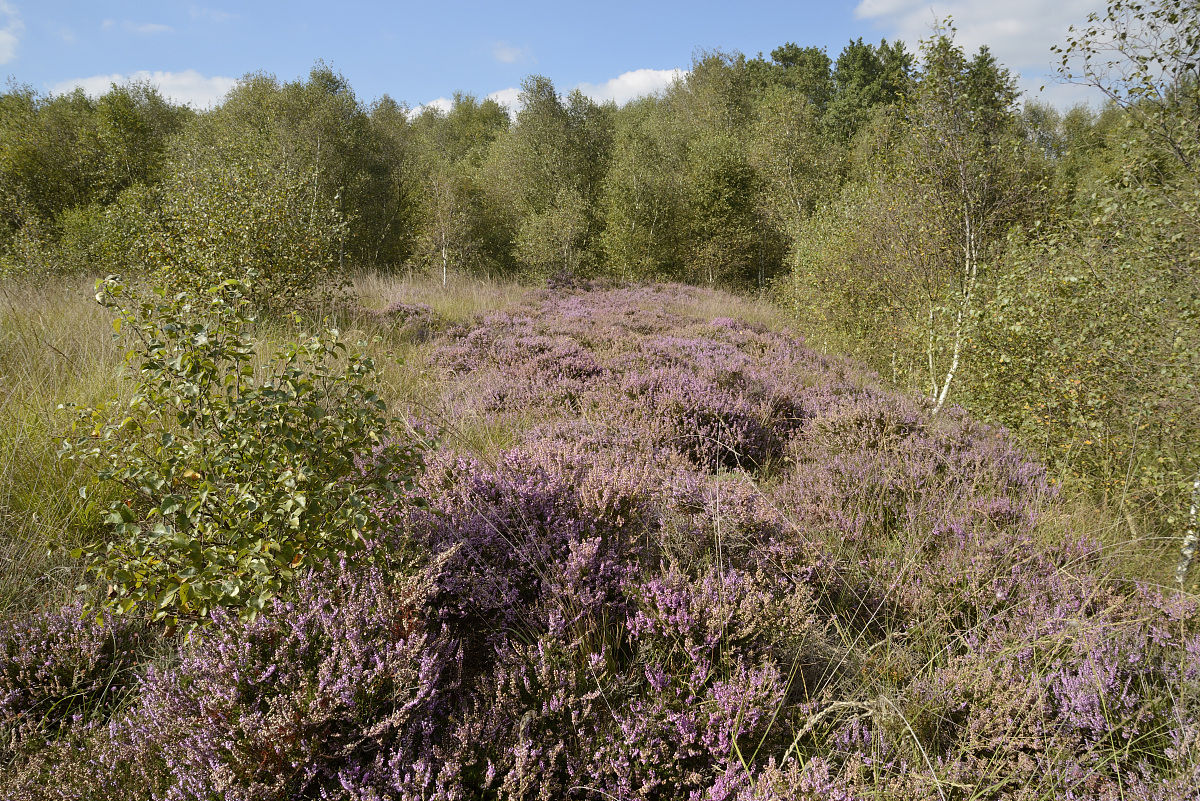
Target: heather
{"points": [[704, 561]]}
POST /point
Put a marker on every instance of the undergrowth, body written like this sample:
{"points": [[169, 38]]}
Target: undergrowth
{"points": [[663, 550]]}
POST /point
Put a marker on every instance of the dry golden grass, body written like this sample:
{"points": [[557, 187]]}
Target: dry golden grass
{"points": [[707, 304], [461, 299]]}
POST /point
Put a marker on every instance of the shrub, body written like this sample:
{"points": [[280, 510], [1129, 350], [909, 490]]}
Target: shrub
{"points": [[332, 695], [414, 322], [56, 666], [81, 238], [235, 478]]}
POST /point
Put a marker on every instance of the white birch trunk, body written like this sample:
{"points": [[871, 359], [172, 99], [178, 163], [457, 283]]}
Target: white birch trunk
{"points": [[1191, 537], [933, 387], [971, 272]]}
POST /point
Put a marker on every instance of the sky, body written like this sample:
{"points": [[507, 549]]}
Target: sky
{"points": [[423, 52]]}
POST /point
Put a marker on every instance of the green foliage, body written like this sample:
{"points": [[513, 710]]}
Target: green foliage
{"points": [[722, 214], [45, 161], [225, 212], [547, 175], [866, 77], [1044, 262], [849, 286], [457, 227], [234, 479], [464, 133], [85, 239], [1088, 344], [803, 71], [132, 129], [317, 130], [551, 240], [70, 151], [82, 234], [684, 197], [643, 201], [1086, 350], [793, 156], [715, 95]]}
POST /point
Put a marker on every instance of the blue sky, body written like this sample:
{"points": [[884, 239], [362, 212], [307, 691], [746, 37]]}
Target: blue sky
{"points": [[420, 52]]}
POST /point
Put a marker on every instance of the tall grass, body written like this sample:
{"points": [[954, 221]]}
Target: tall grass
{"points": [[57, 347], [462, 298]]}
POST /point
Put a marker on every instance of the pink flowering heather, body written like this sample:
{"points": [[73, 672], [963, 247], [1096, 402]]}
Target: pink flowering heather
{"points": [[711, 565], [61, 667]]}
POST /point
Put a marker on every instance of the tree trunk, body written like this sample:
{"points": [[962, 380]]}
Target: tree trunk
{"points": [[1191, 537], [970, 274], [933, 387]]}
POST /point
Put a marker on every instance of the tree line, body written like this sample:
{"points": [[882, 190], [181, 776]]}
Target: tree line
{"points": [[1034, 265], [698, 184]]}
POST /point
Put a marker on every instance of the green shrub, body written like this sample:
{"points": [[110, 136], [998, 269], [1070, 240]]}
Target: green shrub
{"points": [[91, 239], [224, 212], [235, 479], [82, 237]]}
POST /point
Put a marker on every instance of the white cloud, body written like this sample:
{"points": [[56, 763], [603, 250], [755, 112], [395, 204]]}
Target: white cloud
{"points": [[631, 85], [211, 14], [509, 54], [620, 90], [148, 28], [141, 28], [188, 87], [443, 104], [1018, 32], [510, 98], [10, 32]]}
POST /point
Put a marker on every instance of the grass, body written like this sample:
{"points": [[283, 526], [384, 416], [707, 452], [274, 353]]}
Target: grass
{"points": [[57, 347], [459, 300], [707, 305]]}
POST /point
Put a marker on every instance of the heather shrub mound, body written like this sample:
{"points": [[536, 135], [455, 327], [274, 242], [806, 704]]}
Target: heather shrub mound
{"points": [[414, 321], [335, 693], [59, 668], [710, 564]]}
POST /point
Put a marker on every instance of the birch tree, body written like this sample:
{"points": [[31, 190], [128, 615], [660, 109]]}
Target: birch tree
{"points": [[789, 148], [959, 168], [453, 226], [643, 201], [1144, 56]]}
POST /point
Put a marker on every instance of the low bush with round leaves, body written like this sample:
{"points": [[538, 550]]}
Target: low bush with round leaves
{"points": [[234, 477]]}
